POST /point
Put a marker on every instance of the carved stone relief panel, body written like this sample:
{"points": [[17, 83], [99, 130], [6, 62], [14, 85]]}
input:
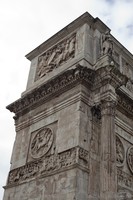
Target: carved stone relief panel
{"points": [[130, 158], [124, 185], [120, 152], [41, 142], [124, 194], [124, 179], [56, 56], [51, 164]]}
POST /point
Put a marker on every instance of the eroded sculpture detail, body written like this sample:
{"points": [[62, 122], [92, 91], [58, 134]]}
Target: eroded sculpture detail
{"points": [[120, 153], [56, 56], [116, 57], [127, 69], [49, 165], [124, 179], [41, 142], [130, 158], [96, 111], [129, 85], [124, 194], [106, 44]]}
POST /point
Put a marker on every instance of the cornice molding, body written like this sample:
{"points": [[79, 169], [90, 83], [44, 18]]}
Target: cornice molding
{"points": [[110, 75], [55, 86], [125, 102], [48, 112]]}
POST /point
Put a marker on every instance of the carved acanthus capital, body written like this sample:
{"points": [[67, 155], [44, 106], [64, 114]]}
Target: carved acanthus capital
{"points": [[108, 107]]}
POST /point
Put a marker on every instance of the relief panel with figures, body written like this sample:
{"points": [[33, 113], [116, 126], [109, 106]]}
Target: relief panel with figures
{"points": [[49, 165], [56, 56]]}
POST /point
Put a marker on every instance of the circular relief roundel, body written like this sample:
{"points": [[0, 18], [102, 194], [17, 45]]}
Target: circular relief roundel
{"points": [[130, 158], [120, 153], [41, 142]]}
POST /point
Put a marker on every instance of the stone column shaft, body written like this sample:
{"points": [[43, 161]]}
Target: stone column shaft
{"points": [[108, 152]]}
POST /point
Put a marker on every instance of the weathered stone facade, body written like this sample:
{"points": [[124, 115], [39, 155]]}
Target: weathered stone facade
{"points": [[74, 122]]}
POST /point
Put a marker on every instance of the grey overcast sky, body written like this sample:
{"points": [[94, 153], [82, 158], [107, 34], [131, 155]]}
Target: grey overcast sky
{"points": [[25, 24]]}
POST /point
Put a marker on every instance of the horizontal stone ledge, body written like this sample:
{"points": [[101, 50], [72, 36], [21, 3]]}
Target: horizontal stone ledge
{"points": [[64, 81]]}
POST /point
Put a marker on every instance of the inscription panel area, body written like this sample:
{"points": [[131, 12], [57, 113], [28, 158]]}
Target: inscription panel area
{"points": [[56, 56]]}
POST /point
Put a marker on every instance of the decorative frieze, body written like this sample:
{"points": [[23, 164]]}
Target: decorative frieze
{"points": [[49, 165], [56, 56], [125, 102], [83, 155], [110, 75], [48, 90]]}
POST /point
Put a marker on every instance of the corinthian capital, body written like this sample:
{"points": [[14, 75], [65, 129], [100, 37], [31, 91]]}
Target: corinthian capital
{"points": [[108, 107]]}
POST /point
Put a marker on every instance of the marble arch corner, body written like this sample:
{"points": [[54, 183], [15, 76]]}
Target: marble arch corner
{"points": [[74, 121]]}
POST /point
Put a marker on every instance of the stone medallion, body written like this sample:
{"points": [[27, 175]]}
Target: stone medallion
{"points": [[130, 158], [120, 153], [41, 142]]}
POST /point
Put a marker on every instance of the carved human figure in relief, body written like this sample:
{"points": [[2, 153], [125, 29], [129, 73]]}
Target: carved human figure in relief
{"points": [[56, 56], [106, 44], [41, 143], [72, 46], [43, 66], [69, 49]]}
